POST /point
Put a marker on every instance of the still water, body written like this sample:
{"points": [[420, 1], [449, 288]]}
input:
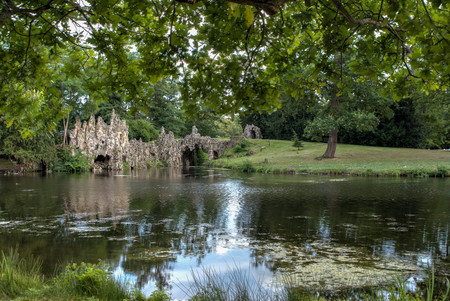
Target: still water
{"points": [[158, 227]]}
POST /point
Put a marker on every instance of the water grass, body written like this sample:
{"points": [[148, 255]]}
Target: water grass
{"points": [[19, 274], [210, 285], [276, 156], [21, 279]]}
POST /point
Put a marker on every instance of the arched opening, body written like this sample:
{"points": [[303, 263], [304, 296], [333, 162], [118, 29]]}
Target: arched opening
{"points": [[252, 134], [188, 157], [215, 155], [102, 161], [194, 157]]}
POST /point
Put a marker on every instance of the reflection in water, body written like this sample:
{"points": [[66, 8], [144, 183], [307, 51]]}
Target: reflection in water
{"points": [[155, 227]]}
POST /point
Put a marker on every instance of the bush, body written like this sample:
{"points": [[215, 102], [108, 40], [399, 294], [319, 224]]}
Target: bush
{"points": [[72, 163], [91, 280], [247, 166], [296, 142], [241, 146], [30, 151]]}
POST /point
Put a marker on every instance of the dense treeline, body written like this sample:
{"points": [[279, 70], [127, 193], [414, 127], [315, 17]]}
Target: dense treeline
{"points": [[421, 121]]}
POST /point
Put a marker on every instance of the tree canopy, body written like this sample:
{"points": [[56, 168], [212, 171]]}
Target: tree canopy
{"points": [[230, 55]]}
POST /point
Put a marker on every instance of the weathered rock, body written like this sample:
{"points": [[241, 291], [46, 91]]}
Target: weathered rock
{"points": [[110, 148], [252, 132]]}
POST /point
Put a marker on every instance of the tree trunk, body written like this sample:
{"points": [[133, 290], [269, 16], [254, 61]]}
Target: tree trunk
{"points": [[333, 138], [332, 144]]}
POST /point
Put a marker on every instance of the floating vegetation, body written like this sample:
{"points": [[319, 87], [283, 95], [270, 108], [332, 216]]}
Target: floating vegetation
{"points": [[328, 266], [155, 254]]}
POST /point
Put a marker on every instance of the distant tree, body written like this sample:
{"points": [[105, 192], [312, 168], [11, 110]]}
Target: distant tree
{"points": [[417, 122], [296, 142], [116, 103], [294, 113], [164, 107], [141, 129]]}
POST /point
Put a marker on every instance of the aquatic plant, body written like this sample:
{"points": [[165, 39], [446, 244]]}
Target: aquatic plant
{"points": [[91, 280], [19, 274], [209, 285]]}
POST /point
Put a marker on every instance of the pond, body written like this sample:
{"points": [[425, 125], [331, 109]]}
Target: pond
{"points": [[157, 227]]}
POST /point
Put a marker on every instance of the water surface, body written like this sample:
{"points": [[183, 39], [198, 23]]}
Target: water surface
{"points": [[157, 227]]}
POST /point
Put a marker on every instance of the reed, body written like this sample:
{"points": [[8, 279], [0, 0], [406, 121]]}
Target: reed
{"points": [[19, 274]]}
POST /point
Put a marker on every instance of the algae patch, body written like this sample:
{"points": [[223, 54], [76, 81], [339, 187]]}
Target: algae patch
{"points": [[329, 266]]}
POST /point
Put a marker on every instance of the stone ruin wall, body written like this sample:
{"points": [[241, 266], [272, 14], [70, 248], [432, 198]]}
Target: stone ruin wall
{"points": [[110, 147], [252, 132]]}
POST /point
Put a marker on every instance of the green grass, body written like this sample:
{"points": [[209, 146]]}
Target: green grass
{"points": [[209, 285], [21, 279], [276, 156]]}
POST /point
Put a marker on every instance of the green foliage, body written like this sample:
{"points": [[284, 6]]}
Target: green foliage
{"points": [[164, 108], [90, 280], [418, 122], [229, 128], [159, 295], [78, 162], [241, 146], [247, 166], [200, 157], [296, 142], [114, 102], [294, 113], [129, 46], [40, 148], [141, 129]]}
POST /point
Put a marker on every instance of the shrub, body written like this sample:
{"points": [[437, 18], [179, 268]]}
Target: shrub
{"points": [[247, 166], [241, 146], [296, 142], [442, 171], [91, 280], [72, 163]]}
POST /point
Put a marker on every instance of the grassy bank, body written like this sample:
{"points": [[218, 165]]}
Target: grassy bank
{"points": [[275, 156]]}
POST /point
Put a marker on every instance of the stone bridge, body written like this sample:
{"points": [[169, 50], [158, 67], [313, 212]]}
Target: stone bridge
{"points": [[110, 148]]}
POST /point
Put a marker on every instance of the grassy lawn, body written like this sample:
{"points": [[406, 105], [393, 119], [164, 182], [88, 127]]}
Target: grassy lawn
{"points": [[281, 156]]}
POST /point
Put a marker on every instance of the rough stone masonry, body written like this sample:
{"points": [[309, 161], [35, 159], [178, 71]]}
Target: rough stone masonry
{"points": [[110, 148]]}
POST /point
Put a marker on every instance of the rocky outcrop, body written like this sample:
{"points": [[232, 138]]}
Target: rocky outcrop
{"points": [[252, 132], [109, 147]]}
